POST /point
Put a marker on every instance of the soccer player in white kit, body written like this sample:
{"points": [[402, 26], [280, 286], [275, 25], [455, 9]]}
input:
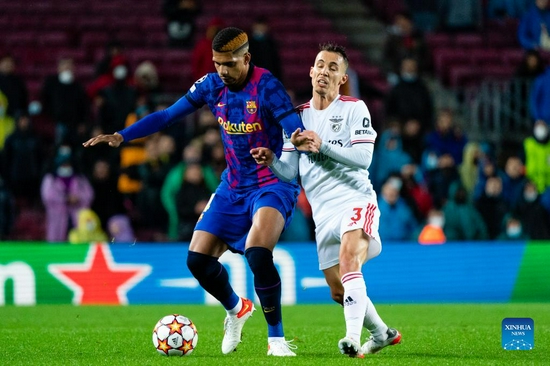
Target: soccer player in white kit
{"points": [[336, 182]]}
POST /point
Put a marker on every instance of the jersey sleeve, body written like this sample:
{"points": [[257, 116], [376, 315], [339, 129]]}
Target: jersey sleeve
{"points": [[200, 91], [279, 103], [158, 121], [361, 128], [286, 168], [362, 139]]}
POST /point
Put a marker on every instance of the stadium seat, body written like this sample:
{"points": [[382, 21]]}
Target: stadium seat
{"points": [[485, 56], [445, 58], [438, 40], [468, 40], [513, 56], [53, 39]]}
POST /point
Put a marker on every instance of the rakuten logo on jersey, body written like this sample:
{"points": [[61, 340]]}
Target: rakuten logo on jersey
{"points": [[239, 128]]}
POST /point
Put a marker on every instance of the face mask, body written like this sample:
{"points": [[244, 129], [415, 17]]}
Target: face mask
{"points": [[530, 196], [120, 72], [90, 226], [540, 132], [64, 171], [438, 221], [64, 150], [513, 231], [431, 161], [66, 77], [408, 77], [396, 183]]}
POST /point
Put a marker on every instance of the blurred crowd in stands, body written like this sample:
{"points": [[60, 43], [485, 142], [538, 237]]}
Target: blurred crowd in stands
{"points": [[434, 183]]}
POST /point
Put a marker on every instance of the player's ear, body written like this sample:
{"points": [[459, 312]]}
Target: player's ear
{"points": [[311, 71], [345, 78], [247, 57]]}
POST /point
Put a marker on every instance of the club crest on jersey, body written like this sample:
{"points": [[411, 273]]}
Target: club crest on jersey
{"points": [[336, 124], [251, 106]]}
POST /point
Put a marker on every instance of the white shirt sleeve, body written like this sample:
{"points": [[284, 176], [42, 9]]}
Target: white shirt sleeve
{"points": [[286, 168], [359, 155], [362, 136]]}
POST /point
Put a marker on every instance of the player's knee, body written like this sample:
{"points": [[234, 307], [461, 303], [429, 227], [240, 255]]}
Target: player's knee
{"points": [[202, 265], [259, 259]]}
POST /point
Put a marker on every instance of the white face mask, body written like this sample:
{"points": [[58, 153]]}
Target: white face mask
{"points": [[513, 231], [396, 183], [66, 77], [438, 221], [120, 72], [540, 132], [64, 171], [530, 196]]}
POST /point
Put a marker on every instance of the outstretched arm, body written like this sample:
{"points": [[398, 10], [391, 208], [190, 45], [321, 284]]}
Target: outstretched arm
{"points": [[285, 168], [146, 126]]}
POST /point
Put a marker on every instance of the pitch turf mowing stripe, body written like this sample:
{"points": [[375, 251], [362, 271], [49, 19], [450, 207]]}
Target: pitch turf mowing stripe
{"points": [[533, 282]]}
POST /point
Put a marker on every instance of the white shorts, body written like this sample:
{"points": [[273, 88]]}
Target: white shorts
{"points": [[339, 220]]}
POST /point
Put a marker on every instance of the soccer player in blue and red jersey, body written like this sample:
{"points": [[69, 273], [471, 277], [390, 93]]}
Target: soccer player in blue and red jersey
{"points": [[251, 207]]}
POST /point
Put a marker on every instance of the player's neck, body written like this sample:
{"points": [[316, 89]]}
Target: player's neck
{"points": [[321, 102]]}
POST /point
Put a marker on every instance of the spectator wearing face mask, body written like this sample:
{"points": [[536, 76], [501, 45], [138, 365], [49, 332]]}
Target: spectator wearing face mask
{"points": [[410, 99], [64, 193], [535, 219], [65, 102], [537, 156], [432, 233], [119, 98], [512, 229], [88, 229]]}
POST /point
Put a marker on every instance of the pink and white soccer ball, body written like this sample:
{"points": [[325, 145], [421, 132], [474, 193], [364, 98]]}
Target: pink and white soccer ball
{"points": [[175, 335]]}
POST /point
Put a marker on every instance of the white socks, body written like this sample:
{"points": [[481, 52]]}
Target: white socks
{"points": [[359, 311], [374, 324], [355, 304]]}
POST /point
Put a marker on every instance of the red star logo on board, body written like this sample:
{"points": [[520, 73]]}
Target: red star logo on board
{"points": [[99, 280], [175, 327]]}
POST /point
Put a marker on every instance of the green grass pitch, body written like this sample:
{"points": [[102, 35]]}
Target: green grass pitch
{"points": [[433, 334]]}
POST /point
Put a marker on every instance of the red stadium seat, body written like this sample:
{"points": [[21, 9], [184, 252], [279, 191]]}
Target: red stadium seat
{"points": [[485, 56], [438, 40], [468, 40]]}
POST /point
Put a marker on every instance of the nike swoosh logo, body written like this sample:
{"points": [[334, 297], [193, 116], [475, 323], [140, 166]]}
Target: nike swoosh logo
{"points": [[269, 310], [244, 309], [221, 104]]}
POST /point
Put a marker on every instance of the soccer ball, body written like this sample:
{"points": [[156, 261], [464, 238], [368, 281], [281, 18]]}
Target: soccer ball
{"points": [[175, 335]]}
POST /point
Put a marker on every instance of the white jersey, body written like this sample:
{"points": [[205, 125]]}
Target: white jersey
{"points": [[328, 183]]}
